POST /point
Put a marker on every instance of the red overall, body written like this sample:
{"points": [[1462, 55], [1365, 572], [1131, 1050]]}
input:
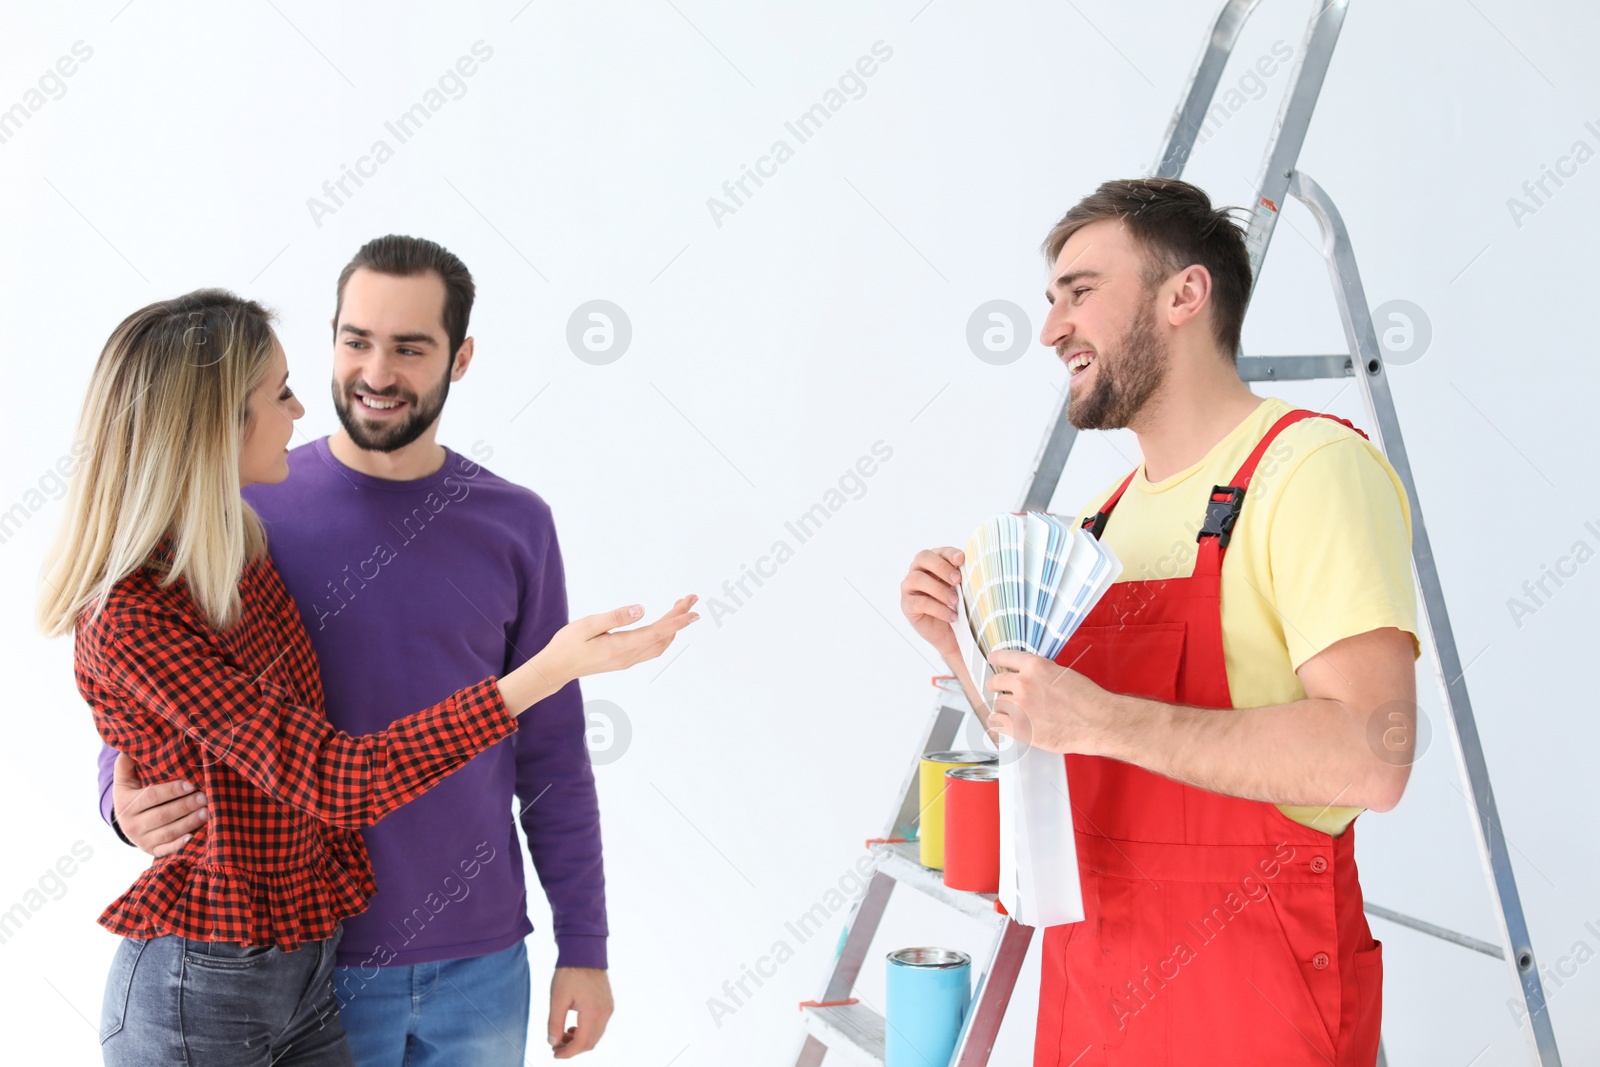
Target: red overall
{"points": [[1217, 930]]}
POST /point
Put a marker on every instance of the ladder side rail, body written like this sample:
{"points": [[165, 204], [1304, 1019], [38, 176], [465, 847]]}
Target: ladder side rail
{"points": [[1050, 462], [1362, 337], [943, 725], [1289, 127], [865, 915], [1177, 144], [990, 997], [812, 1052]]}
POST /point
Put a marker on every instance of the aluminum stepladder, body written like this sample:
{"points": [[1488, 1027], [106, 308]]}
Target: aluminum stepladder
{"points": [[839, 1023]]}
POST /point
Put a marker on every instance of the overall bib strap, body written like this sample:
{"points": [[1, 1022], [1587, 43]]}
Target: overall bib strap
{"points": [[1226, 501], [1096, 523]]}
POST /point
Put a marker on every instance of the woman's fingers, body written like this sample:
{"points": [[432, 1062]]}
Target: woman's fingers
{"points": [[673, 621], [607, 621], [597, 644], [679, 607], [595, 625], [648, 642]]}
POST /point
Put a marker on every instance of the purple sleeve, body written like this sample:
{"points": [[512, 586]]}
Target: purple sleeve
{"points": [[555, 784], [108, 759]]}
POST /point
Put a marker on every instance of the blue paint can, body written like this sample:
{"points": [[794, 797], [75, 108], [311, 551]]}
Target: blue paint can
{"points": [[927, 993]]}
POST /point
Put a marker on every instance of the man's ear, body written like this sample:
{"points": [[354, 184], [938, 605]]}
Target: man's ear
{"points": [[1191, 291], [463, 357]]}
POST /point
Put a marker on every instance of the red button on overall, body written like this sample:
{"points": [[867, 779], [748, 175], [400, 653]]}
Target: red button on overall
{"points": [[1318, 864], [1320, 961]]}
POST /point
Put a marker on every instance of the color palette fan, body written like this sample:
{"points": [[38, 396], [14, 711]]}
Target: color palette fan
{"points": [[1027, 582]]}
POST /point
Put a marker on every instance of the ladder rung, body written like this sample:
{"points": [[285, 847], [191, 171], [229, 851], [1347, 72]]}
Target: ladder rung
{"points": [[899, 860], [853, 1029], [1294, 368], [1441, 932]]}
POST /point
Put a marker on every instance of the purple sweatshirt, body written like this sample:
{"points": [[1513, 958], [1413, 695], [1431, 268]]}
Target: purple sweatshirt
{"points": [[410, 591]]}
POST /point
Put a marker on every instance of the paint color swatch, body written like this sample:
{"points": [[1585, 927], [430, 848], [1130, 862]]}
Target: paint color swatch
{"points": [[1026, 584]]}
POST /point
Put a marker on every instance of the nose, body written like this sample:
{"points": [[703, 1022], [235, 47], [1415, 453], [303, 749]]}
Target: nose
{"points": [[1056, 328], [377, 372]]}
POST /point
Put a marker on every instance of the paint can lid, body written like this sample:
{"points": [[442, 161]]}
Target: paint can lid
{"points": [[934, 958], [961, 757], [984, 772]]}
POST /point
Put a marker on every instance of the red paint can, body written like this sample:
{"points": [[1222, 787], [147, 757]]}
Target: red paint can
{"points": [[972, 829]]}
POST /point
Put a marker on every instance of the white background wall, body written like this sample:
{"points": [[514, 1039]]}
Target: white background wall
{"points": [[769, 353]]}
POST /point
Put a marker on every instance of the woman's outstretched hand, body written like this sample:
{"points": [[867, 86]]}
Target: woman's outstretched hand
{"points": [[594, 644]]}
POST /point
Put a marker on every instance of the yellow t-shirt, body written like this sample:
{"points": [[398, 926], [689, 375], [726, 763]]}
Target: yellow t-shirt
{"points": [[1321, 551]]}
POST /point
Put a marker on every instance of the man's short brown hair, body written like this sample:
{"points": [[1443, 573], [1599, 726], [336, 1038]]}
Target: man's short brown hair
{"points": [[1175, 225]]}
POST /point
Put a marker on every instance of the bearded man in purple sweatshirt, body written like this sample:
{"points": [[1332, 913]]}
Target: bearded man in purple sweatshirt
{"points": [[417, 571]]}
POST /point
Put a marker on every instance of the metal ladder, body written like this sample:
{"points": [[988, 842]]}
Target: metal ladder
{"points": [[835, 1021]]}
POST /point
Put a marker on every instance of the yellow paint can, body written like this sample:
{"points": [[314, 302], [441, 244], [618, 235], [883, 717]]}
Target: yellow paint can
{"points": [[930, 832]]}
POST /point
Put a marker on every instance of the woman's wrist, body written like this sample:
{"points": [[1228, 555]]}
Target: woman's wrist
{"points": [[541, 676]]}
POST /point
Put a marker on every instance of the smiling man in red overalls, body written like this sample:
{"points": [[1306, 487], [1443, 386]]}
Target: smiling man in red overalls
{"points": [[1237, 698]]}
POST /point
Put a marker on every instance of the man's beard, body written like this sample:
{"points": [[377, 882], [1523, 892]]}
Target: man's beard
{"points": [[420, 414], [1128, 374]]}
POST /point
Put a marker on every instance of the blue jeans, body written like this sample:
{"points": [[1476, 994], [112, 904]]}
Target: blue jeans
{"points": [[472, 1011], [202, 1003]]}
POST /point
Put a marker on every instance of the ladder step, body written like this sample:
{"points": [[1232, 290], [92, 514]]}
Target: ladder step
{"points": [[853, 1029], [901, 861], [1294, 368], [1435, 930]]}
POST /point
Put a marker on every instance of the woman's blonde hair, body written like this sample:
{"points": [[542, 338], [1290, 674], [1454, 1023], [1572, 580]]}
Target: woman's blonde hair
{"points": [[162, 427]]}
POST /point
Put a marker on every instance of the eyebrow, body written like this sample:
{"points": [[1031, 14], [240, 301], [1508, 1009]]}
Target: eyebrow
{"points": [[394, 338], [1067, 279], [285, 380]]}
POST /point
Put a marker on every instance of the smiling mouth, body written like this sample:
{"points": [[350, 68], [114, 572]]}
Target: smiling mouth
{"points": [[378, 406], [1078, 362]]}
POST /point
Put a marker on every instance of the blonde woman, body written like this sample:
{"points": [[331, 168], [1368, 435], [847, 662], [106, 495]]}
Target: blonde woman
{"points": [[195, 662]]}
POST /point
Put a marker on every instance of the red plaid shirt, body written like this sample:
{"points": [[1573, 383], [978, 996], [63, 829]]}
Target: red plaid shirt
{"points": [[240, 714]]}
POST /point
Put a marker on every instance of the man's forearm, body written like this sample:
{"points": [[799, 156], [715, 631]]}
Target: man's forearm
{"points": [[562, 823], [1314, 751]]}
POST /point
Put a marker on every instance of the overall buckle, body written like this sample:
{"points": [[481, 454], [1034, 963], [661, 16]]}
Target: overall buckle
{"points": [[1221, 514]]}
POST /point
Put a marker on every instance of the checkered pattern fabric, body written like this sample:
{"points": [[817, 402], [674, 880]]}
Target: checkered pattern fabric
{"points": [[240, 714]]}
